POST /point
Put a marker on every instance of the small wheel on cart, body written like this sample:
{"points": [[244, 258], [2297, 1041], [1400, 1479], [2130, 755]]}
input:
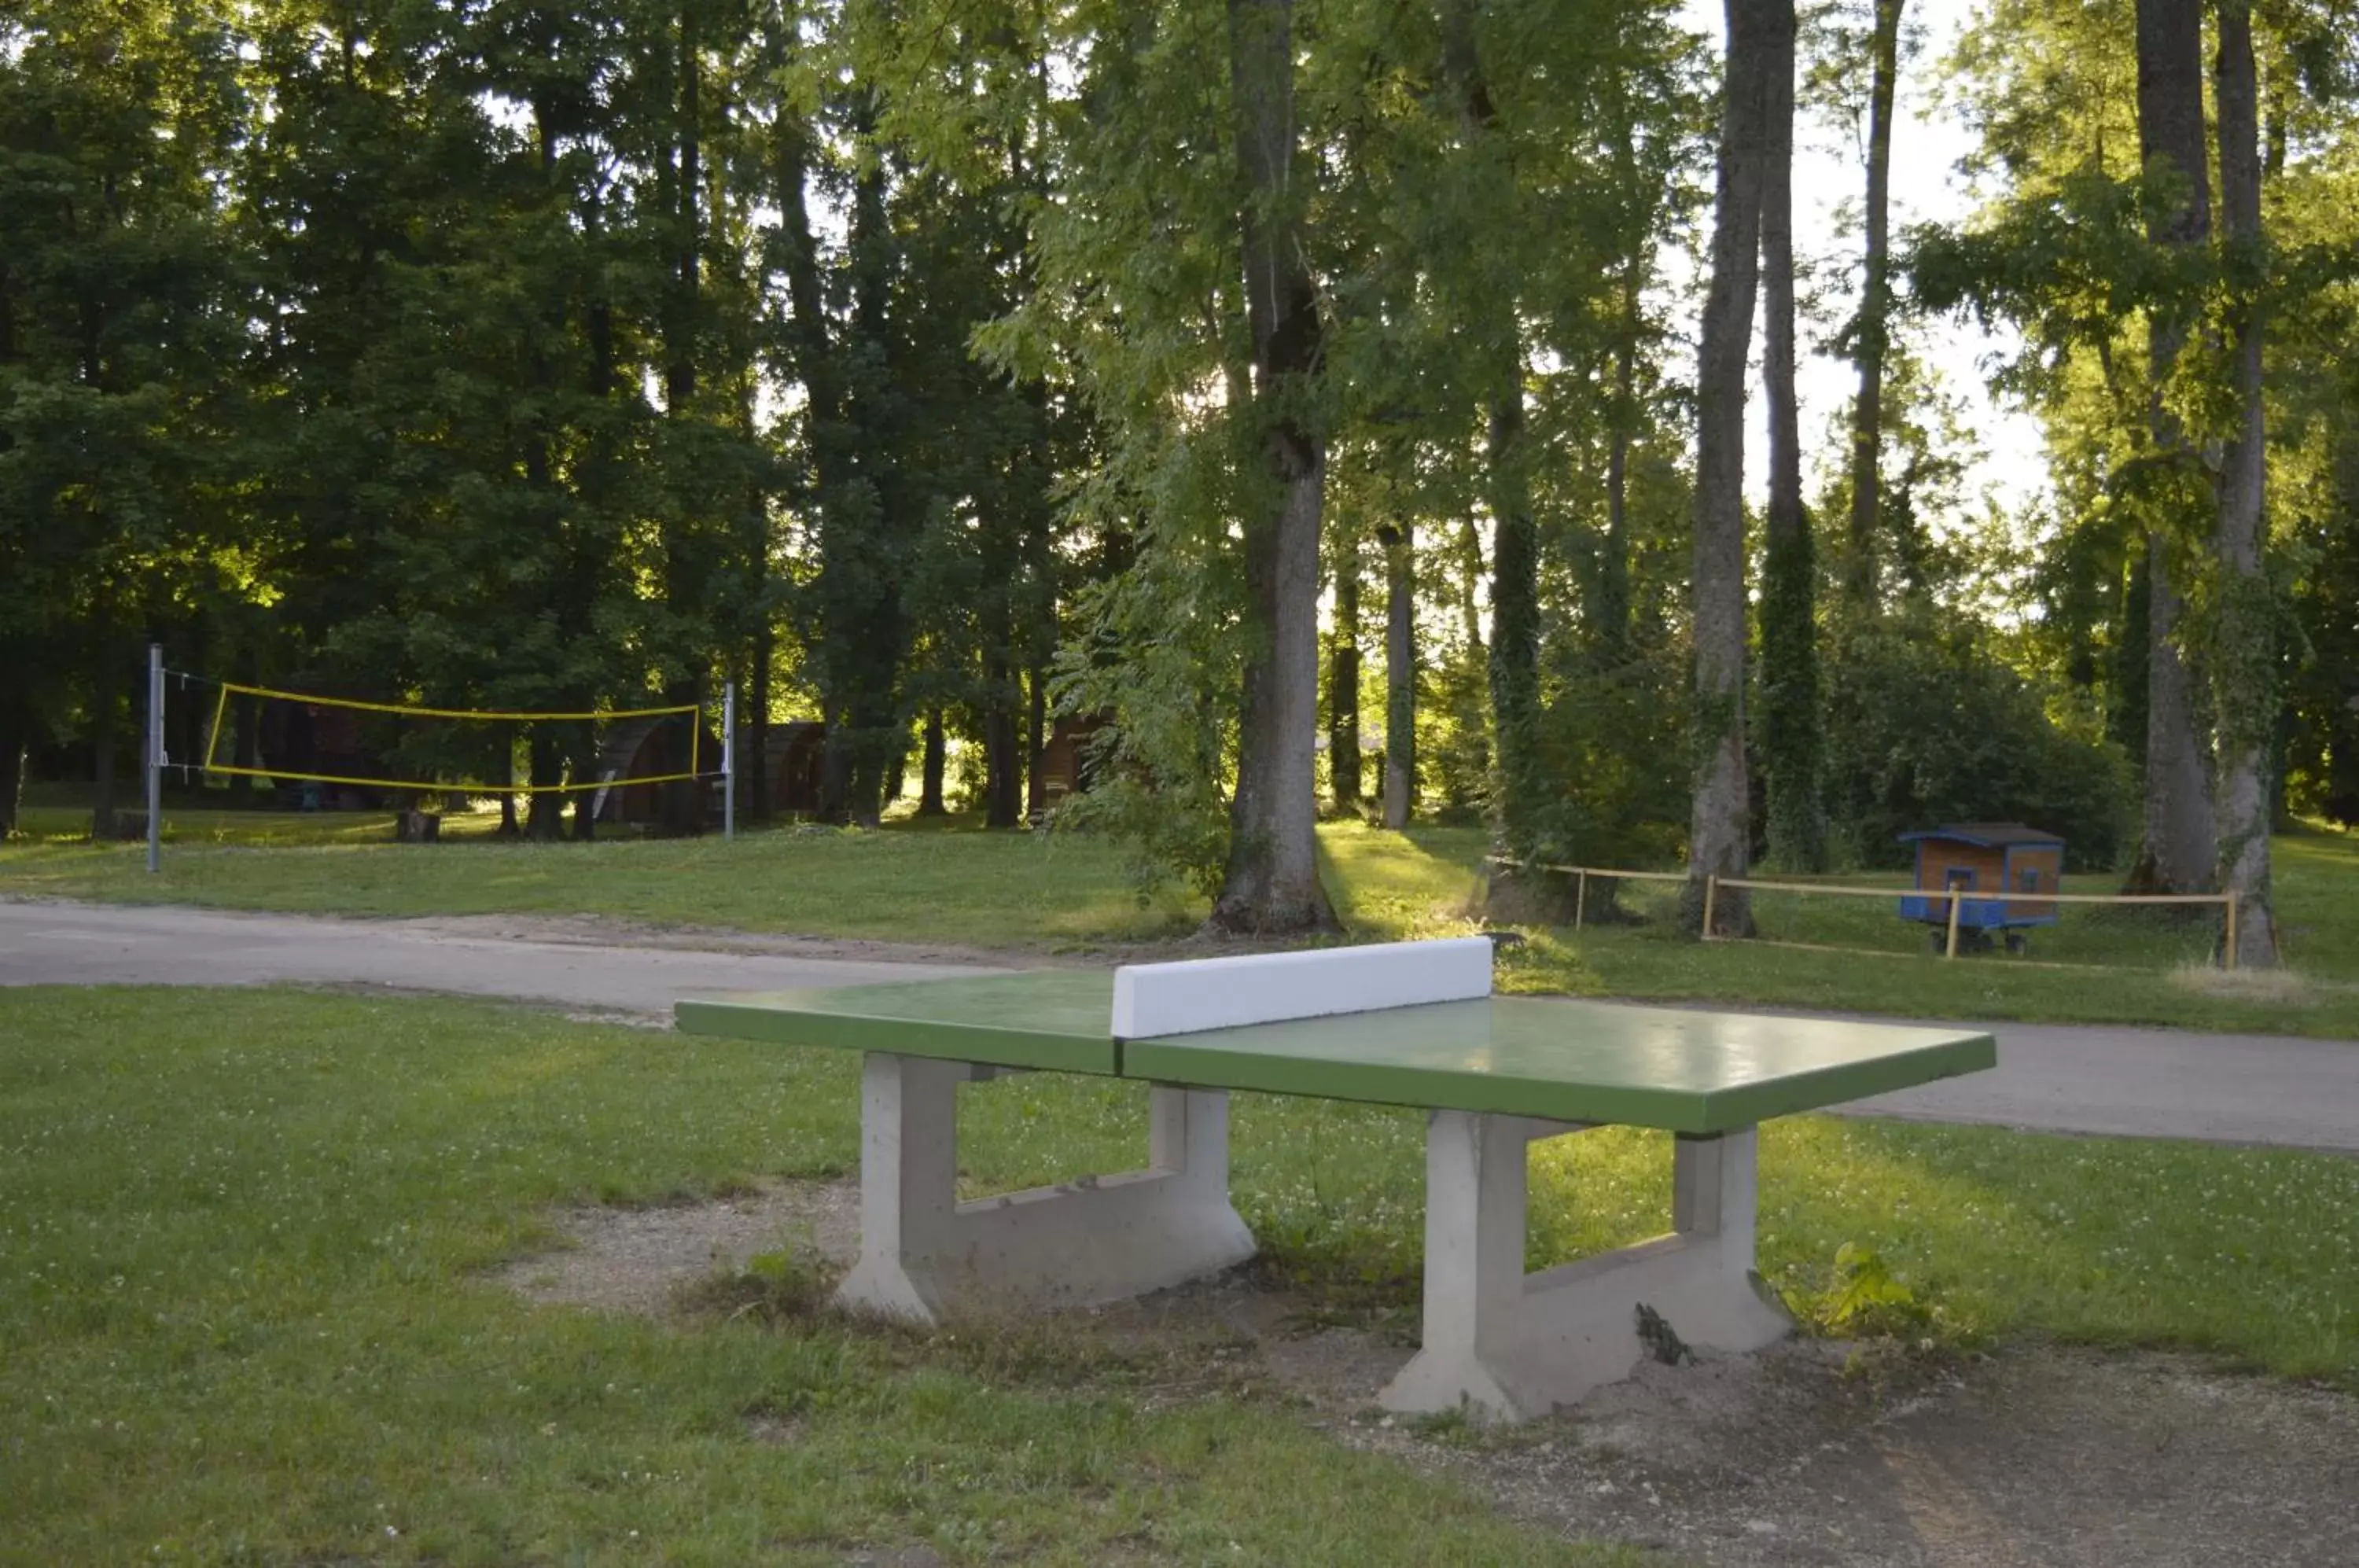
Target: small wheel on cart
{"points": [[1936, 941], [2015, 942]]}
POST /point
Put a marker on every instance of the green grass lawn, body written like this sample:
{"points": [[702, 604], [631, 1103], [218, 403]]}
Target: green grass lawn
{"points": [[1066, 892], [914, 882], [243, 1237], [58, 814], [241, 1244]]}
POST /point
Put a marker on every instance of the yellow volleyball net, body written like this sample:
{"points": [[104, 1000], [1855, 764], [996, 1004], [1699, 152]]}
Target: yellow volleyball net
{"points": [[305, 737]]}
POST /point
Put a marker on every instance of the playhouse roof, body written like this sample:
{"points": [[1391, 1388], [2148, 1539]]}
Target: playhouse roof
{"points": [[1983, 836]]}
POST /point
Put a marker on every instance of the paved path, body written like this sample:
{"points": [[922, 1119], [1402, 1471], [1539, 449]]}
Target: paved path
{"points": [[2149, 1083], [91, 945]]}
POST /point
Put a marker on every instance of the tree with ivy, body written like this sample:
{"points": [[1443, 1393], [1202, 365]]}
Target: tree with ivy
{"points": [[1759, 41]]}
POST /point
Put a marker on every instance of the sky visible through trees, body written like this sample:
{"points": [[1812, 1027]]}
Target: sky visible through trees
{"points": [[1928, 143]]}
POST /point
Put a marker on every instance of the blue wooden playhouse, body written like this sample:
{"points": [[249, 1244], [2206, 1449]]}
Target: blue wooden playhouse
{"points": [[1965, 857]]}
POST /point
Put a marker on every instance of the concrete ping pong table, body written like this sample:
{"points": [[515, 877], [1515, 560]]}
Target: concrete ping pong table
{"points": [[1409, 1024]]}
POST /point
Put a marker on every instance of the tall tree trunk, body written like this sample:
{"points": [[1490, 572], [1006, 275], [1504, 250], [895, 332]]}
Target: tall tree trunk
{"points": [[597, 481], [2178, 850], [246, 747], [819, 368], [1789, 663], [1400, 673], [1036, 748], [2244, 663], [834, 767], [1516, 893], [187, 716], [1003, 770], [1605, 603], [585, 801], [759, 798], [1871, 332], [544, 809], [1718, 835], [13, 736], [1025, 594], [2126, 716], [1272, 880], [1517, 795], [1344, 684], [679, 332], [682, 805], [1514, 654], [1468, 578], [104, 693], [865, 528], [2175, 853], [1608, 611], [936, 759]]}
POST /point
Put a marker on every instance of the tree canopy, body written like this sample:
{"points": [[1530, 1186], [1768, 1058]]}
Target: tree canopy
{"points": [[1225, 391]]}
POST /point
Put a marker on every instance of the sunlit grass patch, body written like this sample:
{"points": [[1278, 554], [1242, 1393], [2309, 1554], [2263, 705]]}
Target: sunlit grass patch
{"points": [[1402, 887], [2275, 987]]}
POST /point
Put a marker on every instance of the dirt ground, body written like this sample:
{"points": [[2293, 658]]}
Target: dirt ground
{"points": [[2036, 1456]]}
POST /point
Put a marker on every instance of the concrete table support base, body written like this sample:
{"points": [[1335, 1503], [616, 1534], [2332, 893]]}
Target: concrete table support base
{"points": [[1506, 1346], [923, 1254]]}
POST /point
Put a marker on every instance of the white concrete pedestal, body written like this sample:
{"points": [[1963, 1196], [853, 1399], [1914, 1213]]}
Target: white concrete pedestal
{"points": [[1506, 1346], [924, 1254]]}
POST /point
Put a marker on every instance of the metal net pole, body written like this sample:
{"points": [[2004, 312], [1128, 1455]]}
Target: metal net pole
{"points": [[155, 752], [729, 760]]}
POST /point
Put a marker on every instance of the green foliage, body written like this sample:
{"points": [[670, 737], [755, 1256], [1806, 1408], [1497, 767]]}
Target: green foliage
{"points": [[122, 419], [1161, 765], [520, 357], [1864, 1298], [2063, 252], [2321, 767], [1612, 741], [1926, 725], [1453, 733], [1157, 655], [791, 1283]]}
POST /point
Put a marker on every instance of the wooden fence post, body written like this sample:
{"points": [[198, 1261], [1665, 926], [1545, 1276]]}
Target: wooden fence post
{"points": [[2228, 952], [1957, 907], [1711, 896], [1580, 897]]}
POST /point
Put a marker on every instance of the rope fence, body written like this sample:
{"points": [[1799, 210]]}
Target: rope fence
{"points": [[1583, 874], [1954, 900]]}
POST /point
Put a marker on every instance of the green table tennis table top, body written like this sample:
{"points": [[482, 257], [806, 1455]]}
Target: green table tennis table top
{"points": [[1689, 1071]]}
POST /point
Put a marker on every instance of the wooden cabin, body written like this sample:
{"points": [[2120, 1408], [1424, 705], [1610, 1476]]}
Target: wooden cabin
{"points": [[313, 738], [794, 757], [1065, 765], [1988, 856], [647, 747]]}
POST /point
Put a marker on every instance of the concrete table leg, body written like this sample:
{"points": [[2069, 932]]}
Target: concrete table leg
{"points": [[1506, 1346], [923, 1254]]}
